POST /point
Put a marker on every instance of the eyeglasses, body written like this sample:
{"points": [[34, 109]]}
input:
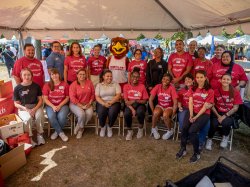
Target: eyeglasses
{"points": [[137, 53]]}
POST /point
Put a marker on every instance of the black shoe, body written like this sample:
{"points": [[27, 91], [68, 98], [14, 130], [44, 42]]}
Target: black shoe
{"points": [[182, 152], [195, 158]]}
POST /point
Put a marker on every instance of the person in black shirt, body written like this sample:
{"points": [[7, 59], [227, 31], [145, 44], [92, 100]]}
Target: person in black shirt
{"points": [[154, 73], [28, 100]]}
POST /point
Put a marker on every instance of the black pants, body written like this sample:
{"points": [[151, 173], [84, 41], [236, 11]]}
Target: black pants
{"points": [[140, 113], [226, 125], [192, 130], [111, 112], [9, 66]]}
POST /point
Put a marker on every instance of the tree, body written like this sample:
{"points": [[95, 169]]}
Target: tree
{"points": [[178, 35], [2, 36], [225, 34], [159, 37], [141, 36]]}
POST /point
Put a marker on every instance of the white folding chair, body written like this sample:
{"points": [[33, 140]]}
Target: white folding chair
{"points": [[217, 136], [161, 126]]}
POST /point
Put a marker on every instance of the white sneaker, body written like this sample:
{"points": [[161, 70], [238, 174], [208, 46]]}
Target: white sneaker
{"points": [[63, 137], [79, 134], [54, 136], [110, 132], [168, 134], [209, 144], [139, 133], [76, 129], [102, 132], [224, 141], [33, 143], [155, 133], [40, 139], [129, 135]]}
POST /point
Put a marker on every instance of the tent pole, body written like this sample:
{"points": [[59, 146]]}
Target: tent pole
{"points": [[21, 44]]}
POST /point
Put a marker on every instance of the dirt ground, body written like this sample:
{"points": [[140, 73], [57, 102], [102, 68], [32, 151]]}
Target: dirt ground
{"points": [[95, 161]]}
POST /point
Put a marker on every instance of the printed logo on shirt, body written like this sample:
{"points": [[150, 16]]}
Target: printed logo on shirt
{"points": [[61, 87], [25, 92]]}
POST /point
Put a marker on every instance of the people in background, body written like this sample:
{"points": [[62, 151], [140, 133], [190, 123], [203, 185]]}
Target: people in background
{"points": [[56, 59], [166, 107], [198, 116], [73, 62], [140, 64], [29, 61], [96, 65], [219, 49], [192, 46], [9, 59], [135, 96], [108, 94], [28, 101], [226, 103], [227, 65], [82, 95], [56, 98]]}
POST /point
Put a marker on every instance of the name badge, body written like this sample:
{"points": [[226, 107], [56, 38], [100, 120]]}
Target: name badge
{"points": [[61, 87], [159, 66], [56, 58]]}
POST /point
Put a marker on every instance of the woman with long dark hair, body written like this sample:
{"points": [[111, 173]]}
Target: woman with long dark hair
{"points": [[199, 97], [227, 101], [56, 98]]}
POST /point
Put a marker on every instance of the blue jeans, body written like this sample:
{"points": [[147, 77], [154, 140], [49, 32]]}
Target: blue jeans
{"points": [[58, 119], [203, 132]]}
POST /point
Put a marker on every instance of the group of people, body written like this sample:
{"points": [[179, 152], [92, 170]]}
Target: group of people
{"points": [[203, 94]]}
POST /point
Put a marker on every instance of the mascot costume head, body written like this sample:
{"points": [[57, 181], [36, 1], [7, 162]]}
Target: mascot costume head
{"points": [[119, 47]]}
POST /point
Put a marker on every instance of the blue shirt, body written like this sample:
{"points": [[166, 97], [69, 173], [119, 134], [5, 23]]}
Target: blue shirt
{"points": [[56, 60]]}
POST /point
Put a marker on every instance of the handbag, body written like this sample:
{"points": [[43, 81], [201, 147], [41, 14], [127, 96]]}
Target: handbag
{"points": [[235, 116]]}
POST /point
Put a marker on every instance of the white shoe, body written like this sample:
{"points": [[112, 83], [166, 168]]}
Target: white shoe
{"points": [[224, 141], [102, 132], [168, 134], [33, 143], [155, 133], [139, 133], [63, 137], [40, 140], [110, 132], [129, 135], [79, 134], [54, 136], [76, 129], [209, 144]]}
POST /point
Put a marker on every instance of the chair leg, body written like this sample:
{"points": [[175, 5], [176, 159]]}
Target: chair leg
{"points": [[145, 127], [48, 129], [123, 127], [178, 131], [231, 139]]}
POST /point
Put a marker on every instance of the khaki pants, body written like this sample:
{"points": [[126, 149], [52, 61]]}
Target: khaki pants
{"points": [[95, 79]]}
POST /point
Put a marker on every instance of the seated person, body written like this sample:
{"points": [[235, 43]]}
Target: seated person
{"points": [[135, 96], [166, 107]]}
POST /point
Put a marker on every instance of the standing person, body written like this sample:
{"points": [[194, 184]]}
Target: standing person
{"points": [[96, 65], [108, 94], [56, 98], [192, 49], [29, 61], [45, 52], [8, 58], [82, 95], [144, 54], [135, 96], [201, 63], [219, 49], [56, 59], [138, 63], [73, 62], [28, 101], [156, 68], [198, 116], [166, 107], [179, 64], [227, 101], [227, 65]]}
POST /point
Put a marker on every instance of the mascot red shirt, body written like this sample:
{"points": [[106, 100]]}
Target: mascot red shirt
{"points": [[118, 62]]}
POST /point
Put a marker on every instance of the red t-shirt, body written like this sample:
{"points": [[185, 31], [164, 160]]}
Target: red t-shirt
{"points": [[183, 97], [140, 64], [58, 95], [238, 74], [79, 94], [138, 92], [215, 60], [200, 97], [74, 64], [206, 65], [96, 65], [34, 65], [179, 63], [165, 97], [220, 103]]}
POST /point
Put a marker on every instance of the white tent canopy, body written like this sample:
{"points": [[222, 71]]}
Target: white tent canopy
{"points": [[245, 39], [217, 40], [92, 18]]}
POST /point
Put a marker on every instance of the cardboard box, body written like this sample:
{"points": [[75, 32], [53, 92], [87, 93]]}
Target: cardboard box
{"points": [[7, 130], [12, 161], [6, 106], [6, 89]]}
